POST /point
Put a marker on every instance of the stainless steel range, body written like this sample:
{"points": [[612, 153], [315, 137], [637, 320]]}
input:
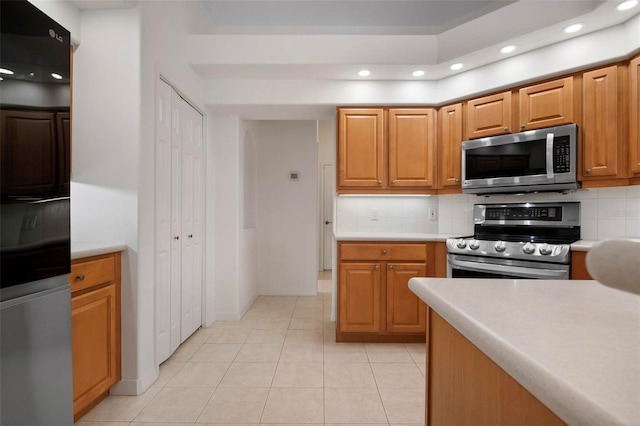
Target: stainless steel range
{"points": [[516, 240]]}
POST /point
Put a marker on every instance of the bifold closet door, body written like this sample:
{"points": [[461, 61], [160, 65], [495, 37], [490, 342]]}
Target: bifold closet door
{"points": [[178, 221], [191, 291]]}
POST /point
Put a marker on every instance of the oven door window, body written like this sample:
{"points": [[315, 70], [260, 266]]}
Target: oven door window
{"points": [[461, 273]]}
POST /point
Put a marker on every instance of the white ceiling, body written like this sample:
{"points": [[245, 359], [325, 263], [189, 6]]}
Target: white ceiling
{"points": [[444, 32]]}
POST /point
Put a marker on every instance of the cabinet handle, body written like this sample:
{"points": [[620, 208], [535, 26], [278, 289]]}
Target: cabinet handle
{"points": [[522, 126], [587, 172], [384, 252], [80, 277], [190, 235], [506, 129], [457, 180], [376, 267], [393, 182], [177, 237], [379, 182], [390, 266]]}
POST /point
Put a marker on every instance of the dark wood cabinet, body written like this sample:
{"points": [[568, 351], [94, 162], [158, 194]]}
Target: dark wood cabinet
{"points": [[35, 137]]}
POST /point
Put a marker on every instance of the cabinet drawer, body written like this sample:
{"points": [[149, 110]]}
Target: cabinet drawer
{"points": [[381, 251], [89, 273]]}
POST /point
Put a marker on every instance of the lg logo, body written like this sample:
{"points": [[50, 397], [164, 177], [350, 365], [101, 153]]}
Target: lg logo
{"points": [[53, 34]]}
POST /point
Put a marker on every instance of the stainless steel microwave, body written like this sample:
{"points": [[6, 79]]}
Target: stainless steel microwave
{"points": [[531, 161]]}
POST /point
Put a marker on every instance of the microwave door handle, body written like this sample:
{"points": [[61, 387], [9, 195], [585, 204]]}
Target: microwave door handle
{"points": [[549, 155]]}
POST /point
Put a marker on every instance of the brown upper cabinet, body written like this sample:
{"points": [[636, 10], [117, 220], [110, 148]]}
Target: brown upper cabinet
{"points": [[634, 121], [489, 116], [361, 147], [602, 138], [371, 159], [546, 104], [450, 148]]}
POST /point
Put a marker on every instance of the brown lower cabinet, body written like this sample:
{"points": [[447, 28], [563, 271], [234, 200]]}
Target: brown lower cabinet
{"points": [[95, 329], [374, 300], [465, 387], [579, 266]]}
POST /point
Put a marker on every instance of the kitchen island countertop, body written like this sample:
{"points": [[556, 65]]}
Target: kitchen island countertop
{"points": [[575, 345]]}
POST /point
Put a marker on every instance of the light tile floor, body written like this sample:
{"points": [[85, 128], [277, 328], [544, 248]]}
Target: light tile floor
{"points": [[278, 365]]}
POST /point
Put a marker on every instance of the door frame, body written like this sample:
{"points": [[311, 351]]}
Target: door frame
{"points": [[323, 190]]}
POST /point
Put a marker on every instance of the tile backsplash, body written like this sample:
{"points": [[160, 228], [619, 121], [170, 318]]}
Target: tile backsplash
{"points": [[605, 212]]}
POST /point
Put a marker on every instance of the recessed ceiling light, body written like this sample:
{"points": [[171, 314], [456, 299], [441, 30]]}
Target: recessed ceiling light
{"points": [[626, 5], [573, 28], [1, 78], [508, 49], [32, 74], [5, 71], [418, 73], [364, 73], [56, 76], [456, 66]]}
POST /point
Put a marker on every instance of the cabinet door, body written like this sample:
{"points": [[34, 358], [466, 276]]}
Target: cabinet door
{"points": [[359, 293], [547, 104], [634, 121], [450, 146], [405, 311], [489, 115], [95, 347], [361, 148], [600, 142], [29, 138], [411, 147]]}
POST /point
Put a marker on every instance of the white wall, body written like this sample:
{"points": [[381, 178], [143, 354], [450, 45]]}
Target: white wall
{"points": [[106, 150], [287, 210], [235, 246]]}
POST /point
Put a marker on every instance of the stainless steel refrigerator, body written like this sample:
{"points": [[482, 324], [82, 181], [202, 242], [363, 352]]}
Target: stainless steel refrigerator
{"points": [[36, 384]]}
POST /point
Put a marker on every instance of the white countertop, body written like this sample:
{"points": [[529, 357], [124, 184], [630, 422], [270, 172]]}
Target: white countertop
{"points": [[86, 249], [575, 345]]}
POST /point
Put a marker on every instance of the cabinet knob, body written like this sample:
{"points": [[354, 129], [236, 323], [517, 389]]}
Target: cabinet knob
{"points": [[80, 277], [376, 267], [390, 266], [379, 182], [190, 235], [384, 252], [506, 129], [522, 126], [393, 182], [457, 180], [587, 172], [177, 237]]}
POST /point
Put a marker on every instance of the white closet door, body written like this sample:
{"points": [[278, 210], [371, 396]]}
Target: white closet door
{"points": [[179, 204], [177, 118], [163, 221], [191, 217]]}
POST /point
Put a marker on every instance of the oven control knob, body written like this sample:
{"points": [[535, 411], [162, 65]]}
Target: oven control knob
{"points": [[461, 243], [546, 249], [500, 246], [474, 244], [529, 248]]}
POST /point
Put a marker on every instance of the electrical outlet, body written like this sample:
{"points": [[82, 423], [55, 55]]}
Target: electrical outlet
{"points": [[374, 214], [433, 214]]}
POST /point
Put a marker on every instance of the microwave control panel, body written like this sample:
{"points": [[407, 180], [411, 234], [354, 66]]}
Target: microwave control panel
{"points": [[561, 155]]}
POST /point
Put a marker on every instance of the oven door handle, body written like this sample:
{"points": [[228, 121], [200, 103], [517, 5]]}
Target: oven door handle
{"points": [[508, 270]]}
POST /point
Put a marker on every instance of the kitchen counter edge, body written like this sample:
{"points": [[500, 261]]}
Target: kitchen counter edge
{"points": [[81, 250]]}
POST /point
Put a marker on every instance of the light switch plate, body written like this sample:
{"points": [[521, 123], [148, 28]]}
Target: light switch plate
{"points": [[433, 214], [374, 214]]}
